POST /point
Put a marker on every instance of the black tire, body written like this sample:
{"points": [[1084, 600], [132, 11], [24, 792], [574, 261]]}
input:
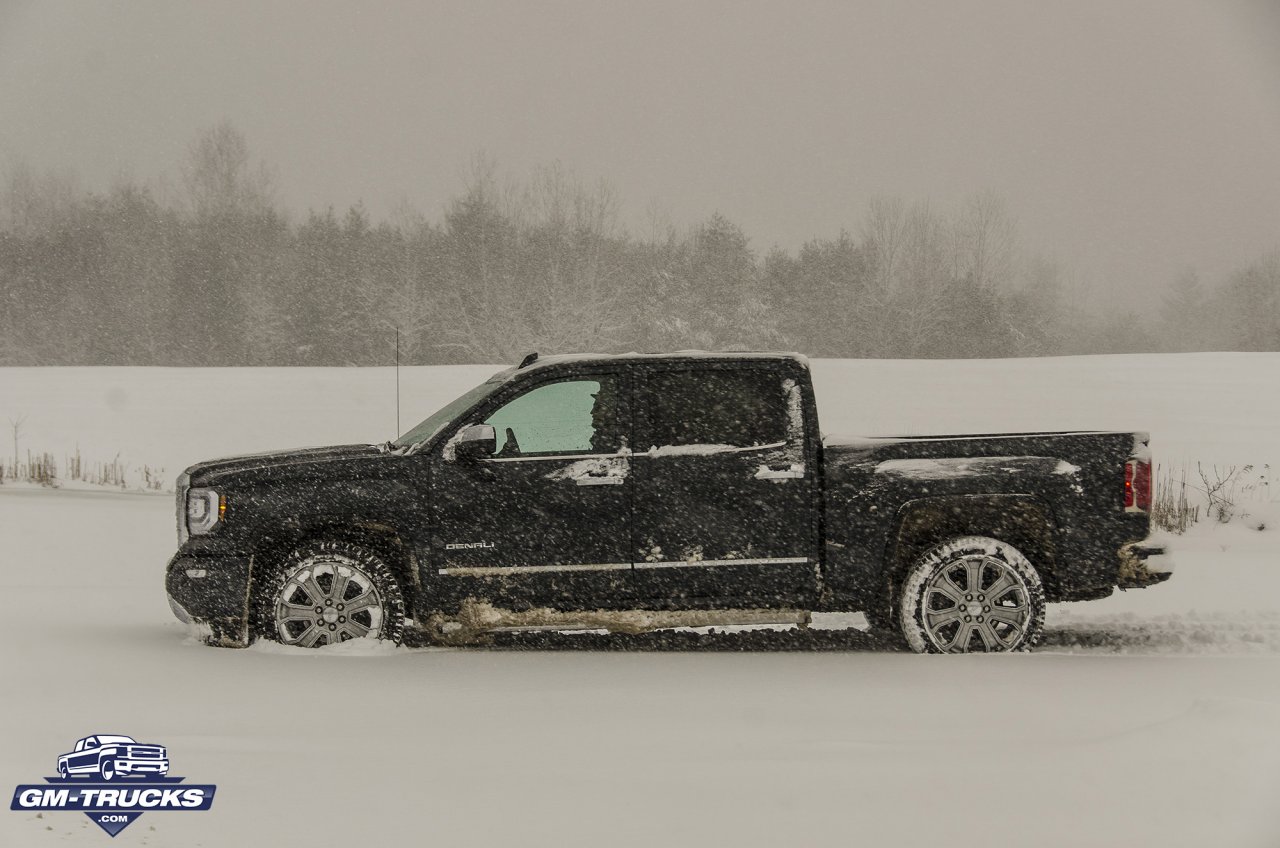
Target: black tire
{"points": [[357, 576], [986, 588]]}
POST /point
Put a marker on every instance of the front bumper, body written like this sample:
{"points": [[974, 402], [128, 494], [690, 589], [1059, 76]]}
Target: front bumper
{"points": [[210, 594], [1144, 563], [142, 766]]}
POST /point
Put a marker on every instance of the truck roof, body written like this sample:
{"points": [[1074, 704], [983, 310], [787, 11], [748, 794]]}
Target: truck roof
{"points": [[533, 360]]}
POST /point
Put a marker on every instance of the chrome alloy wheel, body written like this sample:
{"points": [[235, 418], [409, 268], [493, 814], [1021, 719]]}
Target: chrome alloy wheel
{"points": [[976, 602], [327, 601]]}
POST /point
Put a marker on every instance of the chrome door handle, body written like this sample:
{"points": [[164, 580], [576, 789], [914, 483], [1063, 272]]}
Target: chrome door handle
{"points": [[792, 471], [599, 481]]}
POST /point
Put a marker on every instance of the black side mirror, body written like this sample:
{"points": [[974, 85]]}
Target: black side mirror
{"points": [[476, 442]]}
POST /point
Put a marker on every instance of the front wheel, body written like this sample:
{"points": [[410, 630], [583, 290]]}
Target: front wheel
{"points": [[972, 594], [331, 592], [107, 769]]}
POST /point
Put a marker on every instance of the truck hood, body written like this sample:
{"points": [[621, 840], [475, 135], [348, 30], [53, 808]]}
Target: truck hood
{"points": [[278, 463]]}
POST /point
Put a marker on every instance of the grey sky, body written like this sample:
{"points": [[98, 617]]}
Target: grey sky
{"points": [[1130, 139]]}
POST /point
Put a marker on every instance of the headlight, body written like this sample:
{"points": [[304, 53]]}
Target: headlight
{"points": [[180, 487], [204, 510]]}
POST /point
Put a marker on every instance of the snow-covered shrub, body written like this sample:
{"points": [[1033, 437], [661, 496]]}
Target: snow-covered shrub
{"points": [[1242, 493]]}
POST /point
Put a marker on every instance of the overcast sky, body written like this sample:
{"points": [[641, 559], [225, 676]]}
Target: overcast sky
{"points": [[1131, 140]]}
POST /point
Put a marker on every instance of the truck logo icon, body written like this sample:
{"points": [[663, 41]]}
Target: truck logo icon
{"points": [[108, 757], [113, 779]]}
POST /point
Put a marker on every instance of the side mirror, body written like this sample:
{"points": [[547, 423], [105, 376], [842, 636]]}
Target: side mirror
{"points": [[476, 442]]}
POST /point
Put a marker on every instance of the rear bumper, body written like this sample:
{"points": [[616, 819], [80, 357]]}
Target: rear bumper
{"points": [[210, 594], [1144, 563]]}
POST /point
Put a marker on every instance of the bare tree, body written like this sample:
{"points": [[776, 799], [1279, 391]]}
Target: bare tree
{"points": [[905, 304], [919, 299], [985, 242], [15, 425], [218, 176], [397, 299], [233, 259], [882, 237], [534, 266]]}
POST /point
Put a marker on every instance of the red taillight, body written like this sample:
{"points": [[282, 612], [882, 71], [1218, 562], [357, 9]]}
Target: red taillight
{"points": [[1142, 486], [1137, 485]]}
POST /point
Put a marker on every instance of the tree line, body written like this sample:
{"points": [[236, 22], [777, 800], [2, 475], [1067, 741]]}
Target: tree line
{"points": [[215, 273]]}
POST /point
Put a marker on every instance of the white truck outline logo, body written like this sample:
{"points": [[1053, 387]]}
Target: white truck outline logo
{"points": [[109, 756]]}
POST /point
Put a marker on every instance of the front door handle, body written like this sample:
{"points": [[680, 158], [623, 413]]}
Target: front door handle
{"points": [[785, 471], [587, 480]]}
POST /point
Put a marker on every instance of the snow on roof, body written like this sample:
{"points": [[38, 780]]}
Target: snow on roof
{"points": [[561, 358]]}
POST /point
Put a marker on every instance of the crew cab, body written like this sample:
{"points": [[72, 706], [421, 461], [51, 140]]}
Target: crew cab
{"points": [[656, 489], [109, 757]]}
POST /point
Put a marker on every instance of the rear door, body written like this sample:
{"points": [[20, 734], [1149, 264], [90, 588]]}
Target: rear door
{"points": [[86, 754], [725, 492], [547, 517]]}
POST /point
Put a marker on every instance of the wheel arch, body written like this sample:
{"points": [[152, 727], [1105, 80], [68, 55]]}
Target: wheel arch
{"points": [[1024, 521], [382, 539]]}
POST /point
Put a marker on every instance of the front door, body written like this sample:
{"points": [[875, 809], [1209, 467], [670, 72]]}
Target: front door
{"points": [[547, 518], [725, 501]]}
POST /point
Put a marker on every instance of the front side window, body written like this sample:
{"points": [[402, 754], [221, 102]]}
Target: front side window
{"points": [[566, 417], [735, 408]]}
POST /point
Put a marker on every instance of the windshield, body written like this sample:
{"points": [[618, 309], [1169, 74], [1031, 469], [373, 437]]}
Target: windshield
{"points": [[109, 740], [443, 416]]}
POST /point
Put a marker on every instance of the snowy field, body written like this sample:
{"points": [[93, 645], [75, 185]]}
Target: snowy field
{"points": [[1152, 717]]}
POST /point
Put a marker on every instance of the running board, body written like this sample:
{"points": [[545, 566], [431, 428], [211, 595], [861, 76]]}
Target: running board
{"points": [[477, 617]]}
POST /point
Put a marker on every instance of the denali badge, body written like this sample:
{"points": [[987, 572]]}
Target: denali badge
{"points": [[466, 546]]}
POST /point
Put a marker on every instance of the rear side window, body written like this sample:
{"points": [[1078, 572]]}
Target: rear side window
{"points": [[740, 408]]}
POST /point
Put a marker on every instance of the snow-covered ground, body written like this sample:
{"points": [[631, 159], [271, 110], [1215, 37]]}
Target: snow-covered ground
{"points": [[1151, 717]]}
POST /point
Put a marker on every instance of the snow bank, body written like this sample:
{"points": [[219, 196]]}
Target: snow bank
{"points": [[1208, 407]]}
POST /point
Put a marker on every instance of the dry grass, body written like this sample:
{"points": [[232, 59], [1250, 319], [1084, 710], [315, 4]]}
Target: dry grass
{"points": [[44, 469]]}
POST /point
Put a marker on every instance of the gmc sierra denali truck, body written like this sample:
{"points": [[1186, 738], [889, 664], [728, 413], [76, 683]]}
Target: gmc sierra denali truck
{"points": [[650, 488]]}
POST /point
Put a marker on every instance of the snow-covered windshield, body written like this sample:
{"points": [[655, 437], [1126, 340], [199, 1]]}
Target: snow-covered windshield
{"points": [[432, 424]]}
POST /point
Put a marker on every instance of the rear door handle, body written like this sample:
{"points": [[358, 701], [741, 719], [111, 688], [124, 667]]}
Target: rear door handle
{"points": [[791, 471]]}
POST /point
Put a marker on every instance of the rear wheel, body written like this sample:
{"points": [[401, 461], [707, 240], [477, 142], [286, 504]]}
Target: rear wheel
{"points": [[326, 593], [972, 594]]}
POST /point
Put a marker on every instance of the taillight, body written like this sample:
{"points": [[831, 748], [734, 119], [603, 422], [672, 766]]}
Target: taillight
{"points": [[1137, 485]]}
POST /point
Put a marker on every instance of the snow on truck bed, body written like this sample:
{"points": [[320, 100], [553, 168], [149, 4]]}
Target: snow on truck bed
{"points": [[1150, 717]]}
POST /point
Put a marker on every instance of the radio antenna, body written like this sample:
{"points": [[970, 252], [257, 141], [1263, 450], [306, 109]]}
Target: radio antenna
{"points": [[397, 435]]}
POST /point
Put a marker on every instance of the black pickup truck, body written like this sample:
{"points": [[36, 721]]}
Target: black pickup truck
{"points": [[647, 490]]}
